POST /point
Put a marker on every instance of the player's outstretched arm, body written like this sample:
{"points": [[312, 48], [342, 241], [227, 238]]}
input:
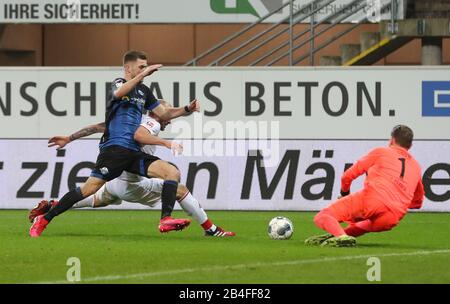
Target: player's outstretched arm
{"points": [[359, 168], [126, 87], [168, 113], [61, 141], [143, 136]]}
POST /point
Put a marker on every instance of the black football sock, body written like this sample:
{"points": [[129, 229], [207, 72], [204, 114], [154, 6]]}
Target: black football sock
{"points": [[168, 196], [66, 202]]}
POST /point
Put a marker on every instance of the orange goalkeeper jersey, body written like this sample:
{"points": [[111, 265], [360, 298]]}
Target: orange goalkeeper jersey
{"points": [[394, 178]]}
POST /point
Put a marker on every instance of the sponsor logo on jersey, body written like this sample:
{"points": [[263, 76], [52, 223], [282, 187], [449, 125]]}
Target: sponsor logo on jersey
{"points": [[104, 171]]}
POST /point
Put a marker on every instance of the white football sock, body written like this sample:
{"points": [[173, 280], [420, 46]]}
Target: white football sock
{"points": [[212, 228], [85, 202], [192, 207]]}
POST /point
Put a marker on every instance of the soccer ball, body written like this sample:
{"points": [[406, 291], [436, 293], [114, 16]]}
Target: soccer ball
{"points": [[280, 228]]}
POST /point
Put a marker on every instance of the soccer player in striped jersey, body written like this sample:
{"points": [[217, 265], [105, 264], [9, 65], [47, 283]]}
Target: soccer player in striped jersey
{"points": [[127, 98], [134, 188]]}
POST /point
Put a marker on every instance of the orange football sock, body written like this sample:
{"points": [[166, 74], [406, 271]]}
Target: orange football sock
{"points": [[326, 221]]}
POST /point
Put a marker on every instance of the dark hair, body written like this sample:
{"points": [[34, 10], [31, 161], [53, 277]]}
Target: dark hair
{"points": [[133, 56], [403, 136]]}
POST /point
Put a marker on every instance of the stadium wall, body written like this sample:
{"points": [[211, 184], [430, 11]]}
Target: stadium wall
{"points": [[170, 44], [268, 139]]}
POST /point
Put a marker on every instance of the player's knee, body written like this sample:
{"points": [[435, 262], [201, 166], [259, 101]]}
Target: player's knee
{"points": [[88, 190], [318, 218], [321, 218], [179, 177], [173, 173], [174, 165], [182, 190], [178, 171], [164, 170], [91, 186]]}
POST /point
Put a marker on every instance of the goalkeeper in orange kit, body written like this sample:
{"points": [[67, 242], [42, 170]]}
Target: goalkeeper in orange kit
{"points": [[392, 186]]}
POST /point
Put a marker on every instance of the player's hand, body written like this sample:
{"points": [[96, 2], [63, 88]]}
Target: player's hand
{"points": [[177, 148], [151, 69], [194, 106], [58, 141]]}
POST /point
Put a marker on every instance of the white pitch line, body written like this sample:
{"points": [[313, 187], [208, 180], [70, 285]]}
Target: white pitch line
{"points": [[240, 266]]}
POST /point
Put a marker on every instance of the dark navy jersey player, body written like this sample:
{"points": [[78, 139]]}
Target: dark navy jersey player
{"points": [[119, 151], [123, 115]]}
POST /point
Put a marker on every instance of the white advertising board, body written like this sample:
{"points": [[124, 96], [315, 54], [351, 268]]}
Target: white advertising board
{"points": [[179, 11], [304, 174], [288, 103], [309, 123]]}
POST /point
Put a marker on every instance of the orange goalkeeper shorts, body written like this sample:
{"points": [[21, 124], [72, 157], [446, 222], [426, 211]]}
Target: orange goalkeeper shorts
{"points": [[358, 207]]}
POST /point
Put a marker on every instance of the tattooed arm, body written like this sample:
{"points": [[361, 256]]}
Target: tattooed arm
{"points": [[62, 141], [89, 130]]}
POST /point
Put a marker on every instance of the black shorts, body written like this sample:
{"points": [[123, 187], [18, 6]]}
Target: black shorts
{"points": [[113, 160]]}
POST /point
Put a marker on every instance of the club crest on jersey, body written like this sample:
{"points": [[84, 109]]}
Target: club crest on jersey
{"points": [[104, 171]]}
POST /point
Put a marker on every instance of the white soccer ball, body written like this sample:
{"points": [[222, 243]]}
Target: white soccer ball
{"points": [[280, 228]]}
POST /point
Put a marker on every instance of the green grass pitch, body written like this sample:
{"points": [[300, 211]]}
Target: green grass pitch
{"points": [[125, 247]]}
